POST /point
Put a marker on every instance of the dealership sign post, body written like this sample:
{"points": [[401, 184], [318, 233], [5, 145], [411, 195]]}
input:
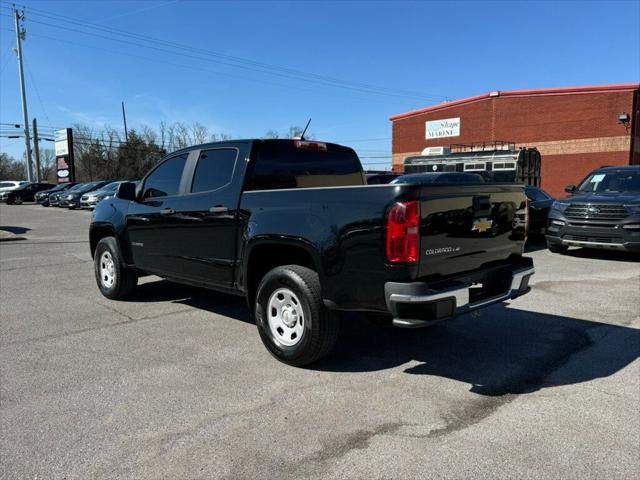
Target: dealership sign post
{"points": [[65, 165], [448, 127]]}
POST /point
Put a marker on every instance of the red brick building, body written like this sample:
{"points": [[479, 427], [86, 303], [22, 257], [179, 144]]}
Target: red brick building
{"points": [[575, 129]]}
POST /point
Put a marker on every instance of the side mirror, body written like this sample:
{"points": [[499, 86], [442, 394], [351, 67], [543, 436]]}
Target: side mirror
{"points": [[127, 191], [570, 188]]}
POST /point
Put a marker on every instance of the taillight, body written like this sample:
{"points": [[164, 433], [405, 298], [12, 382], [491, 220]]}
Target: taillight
{"points": [[403, 232]]}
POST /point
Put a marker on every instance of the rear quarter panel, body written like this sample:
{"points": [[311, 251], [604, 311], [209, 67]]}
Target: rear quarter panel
{"points": [[342, 228]]}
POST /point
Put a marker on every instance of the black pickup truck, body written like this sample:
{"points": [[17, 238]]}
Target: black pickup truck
{"points": [[292, 226]]}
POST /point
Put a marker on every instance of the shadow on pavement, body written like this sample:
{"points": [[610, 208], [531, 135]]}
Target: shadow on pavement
{"points": [[500, 351], [11, 234], [162, 290], [15, 230], [535, 244]]}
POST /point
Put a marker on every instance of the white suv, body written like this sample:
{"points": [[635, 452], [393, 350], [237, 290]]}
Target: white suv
{"points": [[8, 185]]}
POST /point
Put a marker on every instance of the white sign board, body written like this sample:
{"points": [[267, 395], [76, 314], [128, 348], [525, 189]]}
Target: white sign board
{"points": [[448, 127], [62, 144]]}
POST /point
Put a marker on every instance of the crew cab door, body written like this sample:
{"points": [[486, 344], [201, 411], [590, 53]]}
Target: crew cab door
{"points": [[152, 222], [209, 213]]}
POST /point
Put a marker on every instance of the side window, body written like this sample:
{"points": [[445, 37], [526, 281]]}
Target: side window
{"points": [[214, 169], [165, 179]]}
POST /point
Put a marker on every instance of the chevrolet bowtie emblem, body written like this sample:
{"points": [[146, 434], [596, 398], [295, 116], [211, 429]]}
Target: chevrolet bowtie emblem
{"points": [[481, 225]]}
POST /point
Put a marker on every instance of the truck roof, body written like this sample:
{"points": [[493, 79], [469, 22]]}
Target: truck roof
{"points": [[251, 140]]}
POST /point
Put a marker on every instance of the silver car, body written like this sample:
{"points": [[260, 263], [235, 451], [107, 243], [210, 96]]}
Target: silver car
{"points": [[91, 199]]}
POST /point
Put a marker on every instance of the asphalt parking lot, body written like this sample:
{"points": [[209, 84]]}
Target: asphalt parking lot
{"points": [[176, 383]]}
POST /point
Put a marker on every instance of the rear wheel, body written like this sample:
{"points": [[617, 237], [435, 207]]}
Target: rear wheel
{"points": [[292, 320], [114, 280], [555, 247]]}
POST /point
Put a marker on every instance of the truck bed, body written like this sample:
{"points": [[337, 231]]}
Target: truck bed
{"points": [[346, 228]]}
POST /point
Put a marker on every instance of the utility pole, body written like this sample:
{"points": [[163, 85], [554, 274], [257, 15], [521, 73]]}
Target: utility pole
{"points": [[36, 149], [20, 34], [124, 118]]}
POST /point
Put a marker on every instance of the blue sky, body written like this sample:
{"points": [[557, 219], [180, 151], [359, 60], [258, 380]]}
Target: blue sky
{"points": [[382, 58]]}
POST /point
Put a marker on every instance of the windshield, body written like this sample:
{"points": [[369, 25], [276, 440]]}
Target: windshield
{"points": [[111, 187], [88, 186], [612, 182]]}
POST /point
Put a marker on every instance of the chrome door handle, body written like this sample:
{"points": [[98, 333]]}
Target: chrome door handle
{"points": [[219, 209], [139, 219], [167, 211]]}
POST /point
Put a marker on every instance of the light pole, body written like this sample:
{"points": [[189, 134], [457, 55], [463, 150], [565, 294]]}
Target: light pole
{"points": [[20, 33]]}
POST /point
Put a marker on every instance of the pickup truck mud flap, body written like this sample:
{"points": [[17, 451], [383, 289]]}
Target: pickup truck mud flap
{"points": [[418, 304]]}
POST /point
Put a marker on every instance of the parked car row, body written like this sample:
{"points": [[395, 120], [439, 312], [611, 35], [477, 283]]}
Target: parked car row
{"points": [[68, 195]]}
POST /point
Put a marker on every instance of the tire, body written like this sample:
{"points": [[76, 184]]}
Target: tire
{"points": [[495, 229], [557, 248], [292, 320], [17, 201], [114, 280]]}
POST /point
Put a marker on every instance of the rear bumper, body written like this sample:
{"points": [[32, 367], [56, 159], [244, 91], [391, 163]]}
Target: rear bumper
{"points": [[417, 304]]}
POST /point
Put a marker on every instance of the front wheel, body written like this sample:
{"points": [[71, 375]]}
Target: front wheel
{"points": [[292, 320], [114, 280]]}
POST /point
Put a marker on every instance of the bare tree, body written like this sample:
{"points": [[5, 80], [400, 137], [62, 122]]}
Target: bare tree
{"points": [[199, 133], [48, 166], [219, 137], [11, 169]]}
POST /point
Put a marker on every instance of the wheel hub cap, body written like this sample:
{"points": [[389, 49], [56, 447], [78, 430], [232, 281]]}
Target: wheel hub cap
{"points": [[286, 319], [107, 270]]}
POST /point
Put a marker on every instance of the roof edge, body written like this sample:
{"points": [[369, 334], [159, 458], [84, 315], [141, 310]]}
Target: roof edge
{"points": [[619, 87]]}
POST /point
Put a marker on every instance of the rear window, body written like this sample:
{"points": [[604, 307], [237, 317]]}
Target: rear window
{"points": [[281, 164]]}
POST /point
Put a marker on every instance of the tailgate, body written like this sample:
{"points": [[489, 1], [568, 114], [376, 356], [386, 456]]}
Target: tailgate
{"points": [[466, 227]]}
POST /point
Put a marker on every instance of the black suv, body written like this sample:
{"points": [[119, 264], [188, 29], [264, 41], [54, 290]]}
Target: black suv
{"points": [[602, 212]]}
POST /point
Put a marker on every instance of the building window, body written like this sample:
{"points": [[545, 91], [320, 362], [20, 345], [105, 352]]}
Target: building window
{"points": [[504, 166], [475, 167]]}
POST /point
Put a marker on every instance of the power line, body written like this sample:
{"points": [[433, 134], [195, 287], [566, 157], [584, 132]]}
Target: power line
{"points": [[35, 87], [5, 61], [137, 11], [176, 45], [155, 60], [232, 61]]}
